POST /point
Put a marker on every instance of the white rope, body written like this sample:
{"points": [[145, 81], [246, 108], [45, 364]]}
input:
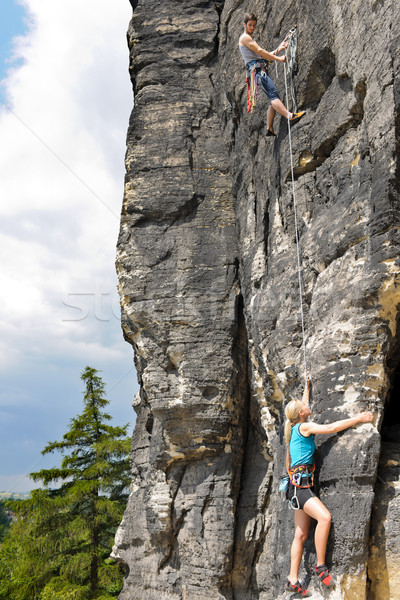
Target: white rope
{"points": [[296, 229], [292, 48]]}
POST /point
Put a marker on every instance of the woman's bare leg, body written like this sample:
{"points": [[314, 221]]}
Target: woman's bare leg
{"points": [[302, 523], [318, 511]]}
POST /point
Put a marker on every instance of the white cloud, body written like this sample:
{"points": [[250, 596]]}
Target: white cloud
{"points": [[59, 239], [61, 161]]}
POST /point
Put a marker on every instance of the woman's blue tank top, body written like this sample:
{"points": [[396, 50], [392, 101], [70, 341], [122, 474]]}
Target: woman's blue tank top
{"points": [[301, 448]]}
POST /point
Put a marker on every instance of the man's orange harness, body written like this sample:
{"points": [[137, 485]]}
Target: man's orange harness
{"points": [[252, 69]]}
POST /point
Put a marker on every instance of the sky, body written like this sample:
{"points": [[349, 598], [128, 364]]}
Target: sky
{"points": [[65, 100]]}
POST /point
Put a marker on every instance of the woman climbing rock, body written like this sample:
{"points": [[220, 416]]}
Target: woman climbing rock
{"points": [[299, 436]]}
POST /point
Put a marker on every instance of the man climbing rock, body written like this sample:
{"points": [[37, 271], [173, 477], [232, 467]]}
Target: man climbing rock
{"points": [[255, 59]]}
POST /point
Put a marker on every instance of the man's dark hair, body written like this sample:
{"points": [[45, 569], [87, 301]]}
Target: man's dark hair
{"points": [[250, 17]]}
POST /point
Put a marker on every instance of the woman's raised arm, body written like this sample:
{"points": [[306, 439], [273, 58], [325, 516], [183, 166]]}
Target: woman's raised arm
{"points": [[308, 429], [307, 386]]}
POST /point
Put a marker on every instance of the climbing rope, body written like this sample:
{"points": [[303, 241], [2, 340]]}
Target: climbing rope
{"points": [[291, 63], [292, 35]]}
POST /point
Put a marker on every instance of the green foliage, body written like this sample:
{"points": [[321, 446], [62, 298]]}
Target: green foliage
{"points": [[4, 521], [64, 593], [59, 546]]}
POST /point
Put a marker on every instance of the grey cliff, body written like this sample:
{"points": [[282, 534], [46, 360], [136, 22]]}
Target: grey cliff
{"points": [[208, 282]]}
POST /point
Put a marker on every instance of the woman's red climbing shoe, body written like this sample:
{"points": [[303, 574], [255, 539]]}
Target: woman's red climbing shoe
{"points": [[296, 117], [297, 588], [324, 576], [269, 132]]}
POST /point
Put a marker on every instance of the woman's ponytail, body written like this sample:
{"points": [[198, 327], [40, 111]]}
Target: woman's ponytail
{"points": [[288, 431], [292, 417]]}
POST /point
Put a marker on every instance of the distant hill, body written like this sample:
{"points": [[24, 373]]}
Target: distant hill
{"points": [[14, 495]]}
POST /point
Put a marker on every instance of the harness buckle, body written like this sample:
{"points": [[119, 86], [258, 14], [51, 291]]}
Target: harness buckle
{"points": [[296, 479]]}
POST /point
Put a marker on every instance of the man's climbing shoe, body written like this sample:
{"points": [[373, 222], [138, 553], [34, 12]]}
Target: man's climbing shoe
{"points": [[297, 116], [269, 132], [297, 588], [324, 576]]}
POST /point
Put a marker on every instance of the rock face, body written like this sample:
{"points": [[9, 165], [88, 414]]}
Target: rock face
{"points": [[210, 296]]}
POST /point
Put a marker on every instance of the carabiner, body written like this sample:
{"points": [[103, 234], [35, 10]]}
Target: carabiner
{"points": [[289, 35]]}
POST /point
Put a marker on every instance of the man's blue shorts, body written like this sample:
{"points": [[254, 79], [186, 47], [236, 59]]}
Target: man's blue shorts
{"points": [[267, 85]]}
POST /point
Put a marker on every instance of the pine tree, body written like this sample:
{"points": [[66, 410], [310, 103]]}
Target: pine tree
{"points": [[67, 532], [4, 520]]}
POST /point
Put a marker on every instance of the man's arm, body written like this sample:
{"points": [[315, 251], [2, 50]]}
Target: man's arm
{"points": [[246, 40], [282, 46]]}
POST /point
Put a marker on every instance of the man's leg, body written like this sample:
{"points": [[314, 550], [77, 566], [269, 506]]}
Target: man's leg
{"points": [[270, 118], [279, 107]]}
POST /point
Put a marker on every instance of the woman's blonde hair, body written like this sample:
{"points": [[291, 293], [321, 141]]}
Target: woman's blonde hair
{"points": [[292, 417]]}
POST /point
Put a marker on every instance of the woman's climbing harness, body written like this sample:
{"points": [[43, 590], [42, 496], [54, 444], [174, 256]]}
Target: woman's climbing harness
{"points": [[300, 477]]}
